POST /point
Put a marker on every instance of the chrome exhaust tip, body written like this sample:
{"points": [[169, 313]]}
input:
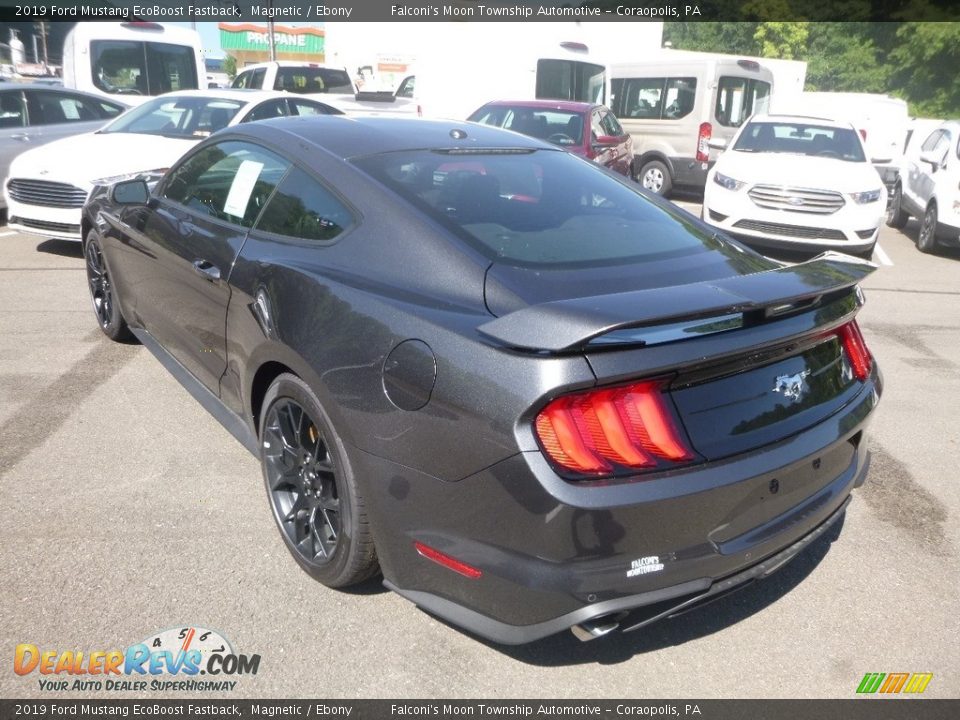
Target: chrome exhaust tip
{"points": [[596, 627]]}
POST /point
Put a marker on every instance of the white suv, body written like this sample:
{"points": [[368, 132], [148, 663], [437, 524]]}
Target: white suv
{"points": [[929, 189]]}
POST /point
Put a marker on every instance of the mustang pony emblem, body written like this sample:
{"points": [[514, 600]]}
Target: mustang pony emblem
{"points": [[792, 386]]}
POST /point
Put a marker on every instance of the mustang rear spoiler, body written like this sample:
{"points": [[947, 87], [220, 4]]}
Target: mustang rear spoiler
{"points": [[564, 325]]}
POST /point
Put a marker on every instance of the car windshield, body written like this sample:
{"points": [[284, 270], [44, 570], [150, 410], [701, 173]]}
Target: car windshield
{"points": [[557, 126], [178, 117], [801, 139], [536, 208]]}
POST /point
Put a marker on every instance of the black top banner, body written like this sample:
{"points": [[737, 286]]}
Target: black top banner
{"points": [[311, 11]]}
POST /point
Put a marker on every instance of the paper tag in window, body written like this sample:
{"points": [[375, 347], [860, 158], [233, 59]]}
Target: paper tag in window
{"points": [[70, 111], [242, 188]]}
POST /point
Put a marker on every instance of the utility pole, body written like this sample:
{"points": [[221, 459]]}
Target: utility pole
{"points": [[42, 27], [273, 44]]}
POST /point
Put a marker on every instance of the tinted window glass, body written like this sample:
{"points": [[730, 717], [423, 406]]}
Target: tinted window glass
{"points": [[639, 98], [243, 80], [184, 117], [540, 208], [570, 80], [610, 124], [303, 208], [738, 98], [51, 108], [931, 142], [12, 112], [680, 97], [801, 139], [128, 67], [313, 80], [558, 126], [267, 110], [229, 181]]}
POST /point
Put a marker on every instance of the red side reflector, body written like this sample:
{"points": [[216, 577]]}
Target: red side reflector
{"points": [[863, 134], [447, 561], [861, 361], [600, 431], [703, 140]]}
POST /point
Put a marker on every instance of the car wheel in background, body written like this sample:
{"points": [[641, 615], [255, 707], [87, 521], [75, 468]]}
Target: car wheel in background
{"points": [[102, 292], [315, 501], [655, 177], [896, 217], [927, 241]]}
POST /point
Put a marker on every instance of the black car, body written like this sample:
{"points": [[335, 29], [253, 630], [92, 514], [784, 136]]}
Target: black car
{"points": [[533, 396]]}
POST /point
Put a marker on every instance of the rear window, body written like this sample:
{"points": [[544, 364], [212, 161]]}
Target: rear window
{"points": [[313, 80], [801, 139], [557, 126], [127, 67], [738, 98], [539, 208], [178, 117]]}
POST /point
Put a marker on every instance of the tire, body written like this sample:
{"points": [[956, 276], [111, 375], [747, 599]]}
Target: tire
{"points": [[655, 177], [102, 292], [927, 240], [896, 217], [311, 488]]}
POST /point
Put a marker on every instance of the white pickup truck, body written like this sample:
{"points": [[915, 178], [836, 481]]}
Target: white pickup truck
{"points": [[331, 85]]}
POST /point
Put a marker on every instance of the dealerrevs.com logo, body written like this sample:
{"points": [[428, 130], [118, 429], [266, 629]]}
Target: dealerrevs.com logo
{"points": [[171, 660]]}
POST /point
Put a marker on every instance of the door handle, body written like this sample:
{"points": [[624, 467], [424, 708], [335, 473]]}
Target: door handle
{"points": [[207, 269], [23, 137]]}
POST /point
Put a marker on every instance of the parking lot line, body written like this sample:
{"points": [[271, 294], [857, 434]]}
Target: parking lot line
{"points": [[7, 234], [881, 256]]}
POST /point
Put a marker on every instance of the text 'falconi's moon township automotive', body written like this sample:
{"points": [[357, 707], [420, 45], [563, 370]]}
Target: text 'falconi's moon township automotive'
{"points": [[531, 394]]}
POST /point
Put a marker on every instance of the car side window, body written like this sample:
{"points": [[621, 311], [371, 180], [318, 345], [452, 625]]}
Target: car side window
{"points": [[309, 107], [52, 108], [303, 208], [931, 142], [12, 112], [265, 111], [229, 181], [243, 80], [610, 124], [642, 98]]}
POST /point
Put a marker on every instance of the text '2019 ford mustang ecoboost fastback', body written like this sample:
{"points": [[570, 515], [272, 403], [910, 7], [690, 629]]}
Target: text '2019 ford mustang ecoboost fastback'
{"points": [[534, 397]]}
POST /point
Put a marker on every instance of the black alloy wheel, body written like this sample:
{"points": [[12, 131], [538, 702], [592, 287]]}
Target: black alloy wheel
{"points": [[927, 241], [313, 495], [896, 217], [102, 292]]}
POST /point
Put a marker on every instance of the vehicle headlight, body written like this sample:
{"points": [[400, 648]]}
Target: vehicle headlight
{"points": [[147, 175], [864, 198], [727, 182]]}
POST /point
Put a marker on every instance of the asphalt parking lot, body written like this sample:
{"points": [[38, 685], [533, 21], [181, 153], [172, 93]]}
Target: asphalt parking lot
{"points": [[127, 510]]}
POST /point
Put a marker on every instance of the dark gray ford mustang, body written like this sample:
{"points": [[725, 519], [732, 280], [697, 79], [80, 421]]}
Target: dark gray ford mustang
{"points": [[534, 397]]}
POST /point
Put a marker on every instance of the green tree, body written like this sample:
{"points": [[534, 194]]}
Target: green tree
{"points": [[785, 40], [230, 66], [926, 58]]}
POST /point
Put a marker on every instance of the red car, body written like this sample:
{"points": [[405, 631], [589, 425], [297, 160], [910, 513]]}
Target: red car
{"points": [[585, 129]]}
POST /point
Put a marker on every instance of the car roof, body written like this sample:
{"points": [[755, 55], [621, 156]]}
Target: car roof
{"points": [[347, 136], [566, 105], [800, 119], [227, 94], [290, 63]]}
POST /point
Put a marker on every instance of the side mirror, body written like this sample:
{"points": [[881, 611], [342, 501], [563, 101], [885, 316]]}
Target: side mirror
{"points": [[606, 140], [717, 143], [130, 192], [929, 156]]}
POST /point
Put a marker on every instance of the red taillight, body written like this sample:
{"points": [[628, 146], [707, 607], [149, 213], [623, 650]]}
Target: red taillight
{"points": [[861, 361], [703, 142], [863, 134], [447, 561], [602, 431]]}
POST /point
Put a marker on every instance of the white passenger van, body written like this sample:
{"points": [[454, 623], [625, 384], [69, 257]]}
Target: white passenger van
{"points": [[674, 106], [134, 59]]}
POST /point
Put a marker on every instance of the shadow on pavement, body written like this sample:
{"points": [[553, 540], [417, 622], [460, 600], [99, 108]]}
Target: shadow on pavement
{"points": [[63, 248]]}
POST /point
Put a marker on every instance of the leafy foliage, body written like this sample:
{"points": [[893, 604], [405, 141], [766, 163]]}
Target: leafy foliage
{"points": [[916, 61]]}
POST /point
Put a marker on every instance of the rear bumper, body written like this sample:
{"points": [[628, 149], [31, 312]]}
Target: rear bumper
{"points": [[658, 604], [556, 554]]}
